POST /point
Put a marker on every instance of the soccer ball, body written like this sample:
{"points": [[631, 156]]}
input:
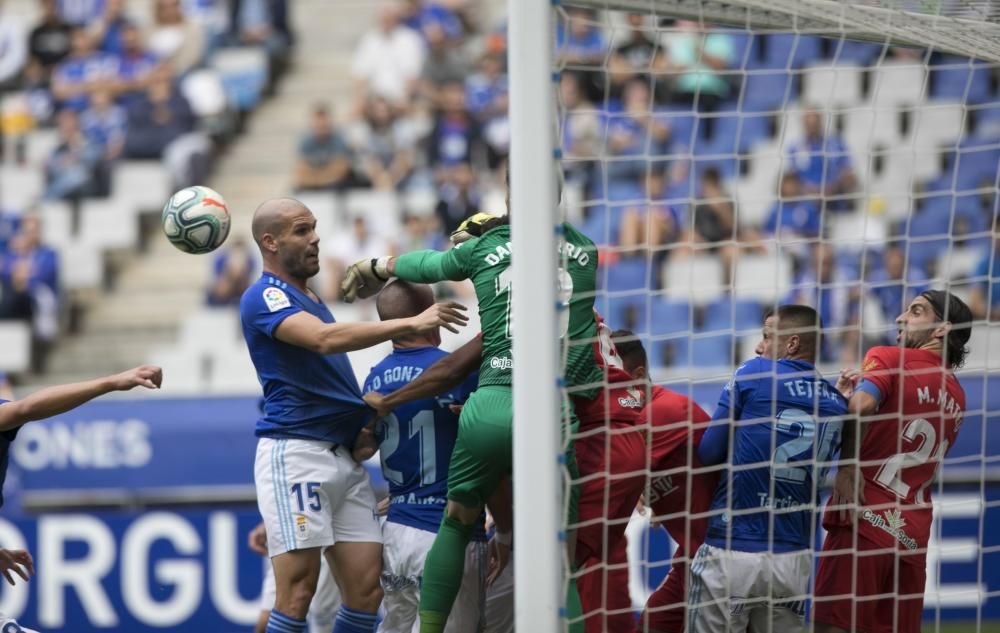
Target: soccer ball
{"points": [[196, 220]]}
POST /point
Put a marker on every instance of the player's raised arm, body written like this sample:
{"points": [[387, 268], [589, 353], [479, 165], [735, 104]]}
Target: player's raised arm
{"points": [[62, 398], [305, 330], [440, 377]]}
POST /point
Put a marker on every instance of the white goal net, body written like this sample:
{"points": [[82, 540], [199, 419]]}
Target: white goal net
{"points": [[732, 157]]}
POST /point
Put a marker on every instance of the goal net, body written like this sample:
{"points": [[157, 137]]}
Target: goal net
{"points": [[731, 157]]}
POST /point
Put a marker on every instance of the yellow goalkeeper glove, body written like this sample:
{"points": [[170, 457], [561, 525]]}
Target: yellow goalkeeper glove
{"points": [[470, 227], [365, 277]]}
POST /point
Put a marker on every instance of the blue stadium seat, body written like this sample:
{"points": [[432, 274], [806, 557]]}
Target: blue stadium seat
{"points": [[712, 351], [785, 50], [732, 315], [856, 52], [954, 78], [974, 163], [682, 122], [670, 325], [769, 91], [630, 273], [628, 312], [928, 230]]}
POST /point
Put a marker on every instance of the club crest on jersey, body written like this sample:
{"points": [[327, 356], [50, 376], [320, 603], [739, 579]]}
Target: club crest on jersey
{"points": [[892, 523], [301, 523], [632, 401], [870, 365], [275, 299]]}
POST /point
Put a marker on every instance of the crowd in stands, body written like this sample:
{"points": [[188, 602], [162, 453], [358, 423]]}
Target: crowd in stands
{"points": [[115, 84], [660, 122]]}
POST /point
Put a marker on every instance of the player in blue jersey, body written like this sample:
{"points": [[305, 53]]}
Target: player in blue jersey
{"points": [[415, 445], [778, 421], [312, 495], [42, 404]]}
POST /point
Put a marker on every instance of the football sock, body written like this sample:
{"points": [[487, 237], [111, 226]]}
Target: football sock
{"points": [[443, 571], [281, 623], [353, 621]]}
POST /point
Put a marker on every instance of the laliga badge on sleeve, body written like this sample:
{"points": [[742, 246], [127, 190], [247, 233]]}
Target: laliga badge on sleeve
{"points": [[276, 299]]}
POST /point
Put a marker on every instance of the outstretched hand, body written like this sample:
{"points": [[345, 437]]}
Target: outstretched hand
{"points": [[148, 376], [257, 539], [446, 315], [847, 493], [376, 401], [499, 559], [18, 561], [847, 381]]}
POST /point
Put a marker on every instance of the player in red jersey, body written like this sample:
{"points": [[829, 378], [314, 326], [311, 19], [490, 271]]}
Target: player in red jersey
{"points": [[611, 455], [873, 566], [679, 500]]}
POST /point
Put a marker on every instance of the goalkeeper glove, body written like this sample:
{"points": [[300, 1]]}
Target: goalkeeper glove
{"points": [[470, 227], [365, 277]]}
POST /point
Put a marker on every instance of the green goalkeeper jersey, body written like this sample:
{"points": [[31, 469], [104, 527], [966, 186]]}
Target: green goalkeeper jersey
{"points": [[486, 261]]}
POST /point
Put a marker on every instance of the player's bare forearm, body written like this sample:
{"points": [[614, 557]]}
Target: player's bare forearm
{"points": [[443, 375], [62, 398], [348, 337]]}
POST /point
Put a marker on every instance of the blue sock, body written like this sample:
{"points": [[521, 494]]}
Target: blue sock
{"points": [[281, 623], [351, 621]]}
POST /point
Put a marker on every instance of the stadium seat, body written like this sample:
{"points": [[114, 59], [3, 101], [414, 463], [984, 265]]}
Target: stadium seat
{"points": [[210, 330], [380, 208], [984, 348], [956, 78], [108, 223], [81, 266], [670, 327], [898, 83], [697, 278], [762, 278], [57, 224], [15, 341], [866, 128], [832, 86], [205, 91], [683, 123], [712, 351], [754, 199], [857, 52], [785, 50], [936, 124], [233, 372], [852, 230], [628, 273], [20, 187], [144, 185], [974, 164], [628, 311], [768, 91], [732, 315], [986, 120], [327, 208], [183, 374], [957, 264], [39, 146]]}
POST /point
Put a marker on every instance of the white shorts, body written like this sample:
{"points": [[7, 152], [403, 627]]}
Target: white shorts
{"points": [[731, 590], [403, 569], [500, 603], [312, 496], [325, 603]]}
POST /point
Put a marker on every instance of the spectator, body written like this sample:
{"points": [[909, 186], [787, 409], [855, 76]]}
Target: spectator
{"points": [[714, 213], [444, 64], [634, 137], [893, 285], [350, 247], [31, 270], [580, 45], [654, 223], [136, 66], [639, 55], [419, 233], [984, 296], [823, 163], [263, 23], [487, 100], [106, 31], [456, 139], [581, 131], [13, 51], [699, 58], [325, 159], [232, 273], [6, 390], [388, 61], [176, 39], [74, 169], [829, 289], [82, 73], [793, 215], [458, 196], [385, 146], [161, 125], [421, 14], [104, 124], [49, 44]]}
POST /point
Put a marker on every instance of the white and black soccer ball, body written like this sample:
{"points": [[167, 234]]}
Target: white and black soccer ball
{"points": [[196, 220]]}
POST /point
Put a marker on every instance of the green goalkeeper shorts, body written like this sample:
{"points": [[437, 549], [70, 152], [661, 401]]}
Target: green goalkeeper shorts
{"points": [[483, 450]]}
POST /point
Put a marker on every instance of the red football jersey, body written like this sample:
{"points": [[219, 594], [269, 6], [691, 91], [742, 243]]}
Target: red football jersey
{"points": [[622, 398], [904, 444], [677, 426]]}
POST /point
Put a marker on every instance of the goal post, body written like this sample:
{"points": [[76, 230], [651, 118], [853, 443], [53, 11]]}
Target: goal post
{"points": [[910, 90]]}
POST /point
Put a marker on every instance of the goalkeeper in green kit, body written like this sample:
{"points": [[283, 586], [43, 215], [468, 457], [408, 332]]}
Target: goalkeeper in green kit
{"points": [[483, 451]]}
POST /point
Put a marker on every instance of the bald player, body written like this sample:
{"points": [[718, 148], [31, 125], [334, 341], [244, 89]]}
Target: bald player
{"points": [[314, 498]]}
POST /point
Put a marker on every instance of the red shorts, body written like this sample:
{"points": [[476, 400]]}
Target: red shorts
{"points": [[884, 593]]}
